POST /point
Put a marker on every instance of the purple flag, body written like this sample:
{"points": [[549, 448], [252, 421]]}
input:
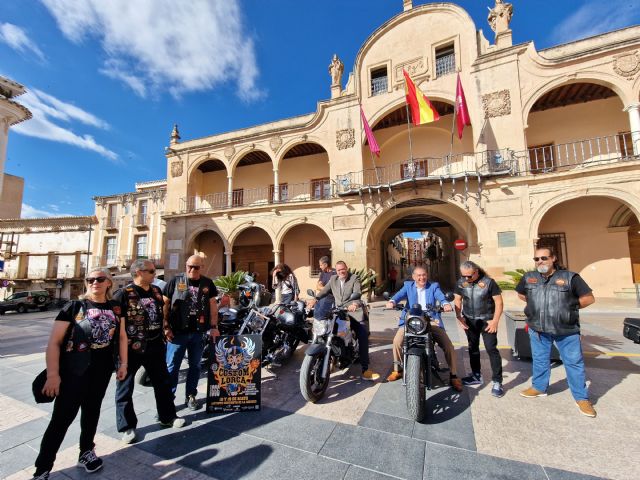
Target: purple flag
{"points": [[373, 145]]}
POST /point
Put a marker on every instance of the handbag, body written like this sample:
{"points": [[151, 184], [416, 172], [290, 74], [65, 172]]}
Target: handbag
{"points": [[38, 383]]}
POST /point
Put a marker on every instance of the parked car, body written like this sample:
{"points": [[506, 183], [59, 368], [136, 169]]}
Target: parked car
{"points": [[23, 301]]}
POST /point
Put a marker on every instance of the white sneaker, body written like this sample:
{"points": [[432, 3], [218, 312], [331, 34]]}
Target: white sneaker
{"points": [[175, 423], [129, 436]]}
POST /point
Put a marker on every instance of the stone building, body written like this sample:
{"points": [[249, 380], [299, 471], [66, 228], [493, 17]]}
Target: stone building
{"points": [[45, 254], [130, 227], [11, 113], [551, 157]]}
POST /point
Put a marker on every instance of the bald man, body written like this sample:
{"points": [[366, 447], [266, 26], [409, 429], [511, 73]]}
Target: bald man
{"points": [[190, 309]]}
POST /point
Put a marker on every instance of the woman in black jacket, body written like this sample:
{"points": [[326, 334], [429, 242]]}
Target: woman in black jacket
{"points": [[80, 361]]}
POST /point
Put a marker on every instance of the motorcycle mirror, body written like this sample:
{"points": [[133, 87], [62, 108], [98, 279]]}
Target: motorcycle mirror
{"points": [[386, 295], [355, 296], [449, 296], [311, 293], [248, 278]]}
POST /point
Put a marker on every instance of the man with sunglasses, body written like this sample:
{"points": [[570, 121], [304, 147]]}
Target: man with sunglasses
{"points": [[553, 299], [141, 303], [478, 304], [190, 309]]}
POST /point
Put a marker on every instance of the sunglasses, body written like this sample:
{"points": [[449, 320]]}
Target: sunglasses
{"points": [[544, 259], [148, 271], [468, 276], [91, 280], [193, 267]]}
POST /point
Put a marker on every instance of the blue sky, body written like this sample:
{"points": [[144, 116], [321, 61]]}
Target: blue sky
{"points": [[107, 79]]}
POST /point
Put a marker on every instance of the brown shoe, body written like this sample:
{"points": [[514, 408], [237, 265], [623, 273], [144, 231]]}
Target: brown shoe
{"points": [[532, 393], [393, 376], [586, 408], [456, 384]]}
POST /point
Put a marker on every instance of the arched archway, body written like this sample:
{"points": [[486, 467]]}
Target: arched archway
{"points": [[438, 223], [253, 252], [428, 146], [303, 173], [207, 186], [301, 247], [590, 245], [576, 123], [210, 246], [250, 173]]}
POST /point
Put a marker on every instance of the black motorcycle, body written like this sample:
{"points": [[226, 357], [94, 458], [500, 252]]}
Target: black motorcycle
{"points": [[334, 344], [421, 366]]}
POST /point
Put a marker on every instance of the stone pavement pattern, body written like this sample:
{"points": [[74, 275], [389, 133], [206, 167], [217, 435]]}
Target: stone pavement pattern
{"points": [[359, 431]]}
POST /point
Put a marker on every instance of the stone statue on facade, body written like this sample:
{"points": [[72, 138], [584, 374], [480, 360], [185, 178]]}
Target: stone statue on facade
{"points": [[500, 16], [336, 67]]}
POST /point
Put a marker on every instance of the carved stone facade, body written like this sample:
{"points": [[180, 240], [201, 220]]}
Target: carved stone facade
{"points": [[415, 68], [496, 104], [275, 143], [627, 64], [229, 152], [345, 138], [176, 168]]}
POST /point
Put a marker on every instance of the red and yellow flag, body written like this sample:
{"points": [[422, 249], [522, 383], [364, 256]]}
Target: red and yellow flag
{"points": [[421, 109]]}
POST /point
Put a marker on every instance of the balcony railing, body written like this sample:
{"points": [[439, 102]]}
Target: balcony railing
{"points": [[105, 261], [110, 223], [612, 149], [379, 86], [297, 192], [142, 220], [446, 64]]}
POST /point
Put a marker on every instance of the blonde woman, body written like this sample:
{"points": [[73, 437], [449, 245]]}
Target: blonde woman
{"points": [[80, 361]]}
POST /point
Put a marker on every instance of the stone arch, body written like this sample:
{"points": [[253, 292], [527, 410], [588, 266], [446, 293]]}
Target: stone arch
{"points": [[294, 223], [204, 228], [202, 159], [286, 147], [243, 152], [238, 229], [621, 217], [628, 199], [598, 78]]}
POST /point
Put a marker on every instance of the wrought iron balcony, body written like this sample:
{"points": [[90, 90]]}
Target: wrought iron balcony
{"points": [[379, 85], [110, 223], [445, 64], [142, 220]]}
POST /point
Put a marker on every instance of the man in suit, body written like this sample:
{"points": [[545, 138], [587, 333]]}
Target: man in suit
{"points": [[341, 286], [420, 290]]}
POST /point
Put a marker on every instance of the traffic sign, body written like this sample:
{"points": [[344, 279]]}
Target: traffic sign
{"points": [[460, 244]]}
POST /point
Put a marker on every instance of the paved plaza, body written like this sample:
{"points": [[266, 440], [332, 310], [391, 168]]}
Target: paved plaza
{"points": [[360, 430]]}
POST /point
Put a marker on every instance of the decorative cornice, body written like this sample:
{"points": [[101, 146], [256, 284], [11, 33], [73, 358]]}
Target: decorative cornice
{"points": [[49, 224]]}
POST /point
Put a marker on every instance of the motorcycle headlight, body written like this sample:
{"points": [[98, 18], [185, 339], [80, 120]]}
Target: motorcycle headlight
{"points": [[416, 325], [321, 327]]}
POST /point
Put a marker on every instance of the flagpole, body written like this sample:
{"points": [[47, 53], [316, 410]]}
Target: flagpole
{"points": [[406, 106], [453, 125], [375, 169]]}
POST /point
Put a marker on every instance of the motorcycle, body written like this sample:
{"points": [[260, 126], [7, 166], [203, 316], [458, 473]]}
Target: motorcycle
{"points": [[333, 344], [421, 366]]}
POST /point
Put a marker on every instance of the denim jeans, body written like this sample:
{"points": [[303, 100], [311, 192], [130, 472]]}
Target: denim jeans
{"points": [[176, 348], [571, 355], [363, 342]]}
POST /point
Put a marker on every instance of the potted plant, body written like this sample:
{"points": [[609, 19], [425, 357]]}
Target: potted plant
{"points": [[228, 284]]}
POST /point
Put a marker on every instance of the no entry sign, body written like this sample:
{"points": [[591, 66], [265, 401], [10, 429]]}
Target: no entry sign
{"points": [[460, 244]]}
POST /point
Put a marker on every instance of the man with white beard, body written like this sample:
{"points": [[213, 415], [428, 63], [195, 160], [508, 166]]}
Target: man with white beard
{"points": [[553, 298]]}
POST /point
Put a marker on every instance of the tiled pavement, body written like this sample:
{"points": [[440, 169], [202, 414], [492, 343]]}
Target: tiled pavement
{"points": [[359, 431]]}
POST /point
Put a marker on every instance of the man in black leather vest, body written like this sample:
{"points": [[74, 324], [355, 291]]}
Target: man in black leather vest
{"points": [[190, 309], [553, 298], [478, 303]]}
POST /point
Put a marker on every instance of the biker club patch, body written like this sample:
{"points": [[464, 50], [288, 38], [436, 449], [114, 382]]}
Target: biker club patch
{"points": [[560, 282], [482, 284], [532, 280]]}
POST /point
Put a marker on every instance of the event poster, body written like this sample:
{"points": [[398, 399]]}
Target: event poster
{"points": [[234, 374]]}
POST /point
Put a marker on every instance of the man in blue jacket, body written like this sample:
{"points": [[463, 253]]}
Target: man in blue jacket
{"points": [[421, 291]]}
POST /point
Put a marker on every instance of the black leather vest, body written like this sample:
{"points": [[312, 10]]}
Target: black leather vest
{"points": [[551, 305], [181, 307], [137, 322], [477, 302]]}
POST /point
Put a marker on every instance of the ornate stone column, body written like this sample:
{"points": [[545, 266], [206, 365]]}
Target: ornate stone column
{"points": [[634, 123], [230, 191], [276, 186]]}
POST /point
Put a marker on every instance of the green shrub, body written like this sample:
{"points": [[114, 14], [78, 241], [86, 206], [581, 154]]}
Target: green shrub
{"points": [[229, 283], [366, 278]]}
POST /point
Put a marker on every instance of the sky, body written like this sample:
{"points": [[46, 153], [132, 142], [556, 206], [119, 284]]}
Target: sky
{"points": [[107, 80]]}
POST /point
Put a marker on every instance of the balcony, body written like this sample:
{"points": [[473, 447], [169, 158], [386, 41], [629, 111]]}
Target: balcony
{"points": [[547, 159], [109, 223], [105, 261], [445, 64], [264, 196], [142, 220], [379, 86]]}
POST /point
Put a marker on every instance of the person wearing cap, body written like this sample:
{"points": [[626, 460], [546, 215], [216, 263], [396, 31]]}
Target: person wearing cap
{"points": [[421, 291]]}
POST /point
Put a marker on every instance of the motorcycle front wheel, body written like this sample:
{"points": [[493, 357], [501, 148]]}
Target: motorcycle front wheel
{"points": [[414, 377], [312, 384]]}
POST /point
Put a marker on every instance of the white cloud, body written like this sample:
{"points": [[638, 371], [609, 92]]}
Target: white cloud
{"points": [[595, 17], [17, 39], [46, 109], [162, 45], [31, 212]]}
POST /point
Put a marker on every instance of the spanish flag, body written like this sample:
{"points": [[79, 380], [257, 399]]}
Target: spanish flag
{"points": [[421, 109]]}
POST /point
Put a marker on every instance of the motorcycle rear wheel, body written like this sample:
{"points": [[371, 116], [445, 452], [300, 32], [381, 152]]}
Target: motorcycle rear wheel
{"points": [[312, 385], [414, 376]]}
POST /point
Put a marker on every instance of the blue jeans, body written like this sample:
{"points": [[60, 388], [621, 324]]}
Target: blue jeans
{"points": [[181, 343], [571, 355]]}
